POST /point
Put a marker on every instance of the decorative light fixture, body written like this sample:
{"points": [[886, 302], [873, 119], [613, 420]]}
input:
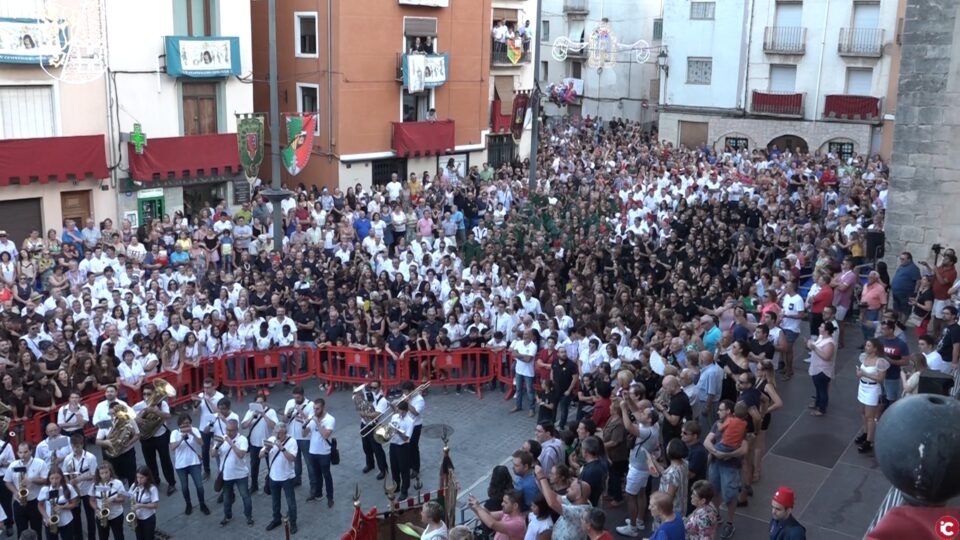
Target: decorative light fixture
{"points": [[82, 57], [602, 47], [662, 62]]}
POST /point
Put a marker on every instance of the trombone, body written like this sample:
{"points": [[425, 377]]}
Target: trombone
{"points": [[385, 417]]}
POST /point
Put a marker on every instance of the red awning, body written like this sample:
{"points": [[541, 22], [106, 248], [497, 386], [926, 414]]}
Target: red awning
{"points": [[423, 138], [196, 156], [47, 159]]}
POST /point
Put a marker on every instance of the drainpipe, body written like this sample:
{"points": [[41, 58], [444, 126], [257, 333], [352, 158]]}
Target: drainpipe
{"points": [[330, 79], [746, 75], [823, 48], [113, 157]]}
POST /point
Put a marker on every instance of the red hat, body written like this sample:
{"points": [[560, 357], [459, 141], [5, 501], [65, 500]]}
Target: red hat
{"points": [[784, 497]]}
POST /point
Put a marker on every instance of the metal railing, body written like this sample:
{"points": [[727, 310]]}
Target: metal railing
{"points": [[500, 55], [785, 39], [576, 6], [861, 42]]}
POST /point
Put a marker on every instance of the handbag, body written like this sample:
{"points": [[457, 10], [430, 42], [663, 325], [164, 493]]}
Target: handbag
{"points": [[914, 320], [334, 452]]}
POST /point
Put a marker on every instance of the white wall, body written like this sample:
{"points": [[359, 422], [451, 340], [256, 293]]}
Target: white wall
{"points": [[821, 70], [151, 99], [721, 39]]}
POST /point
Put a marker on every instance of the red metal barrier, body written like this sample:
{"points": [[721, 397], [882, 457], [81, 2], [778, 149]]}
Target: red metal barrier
{"points": [[457, 367], [347, 365], [504, 370], [303, 365]]}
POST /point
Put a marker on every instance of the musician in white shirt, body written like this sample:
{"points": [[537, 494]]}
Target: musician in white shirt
{"points": [[417, 404], [54, 448], [7, 456], [260, 422], [232, 452], [57, 499], [124, 459], [320, 430], [157, 445], [101, 414], [144, 501], [73, 416], [109, 493], [374, 396], [80, 468], [32, 473], [208, 400], [186, 445], [281, 453], [400, 448], [296, 414]]}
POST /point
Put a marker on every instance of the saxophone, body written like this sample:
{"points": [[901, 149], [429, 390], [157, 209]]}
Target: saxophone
{"points": [[54, 524], [120, 434], [103, 513], [23, 492]]}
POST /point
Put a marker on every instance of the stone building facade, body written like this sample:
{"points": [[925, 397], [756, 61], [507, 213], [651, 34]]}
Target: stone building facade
{"points": [[924, 198]]}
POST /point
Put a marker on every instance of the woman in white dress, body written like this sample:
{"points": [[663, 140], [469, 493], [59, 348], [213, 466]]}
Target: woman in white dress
{"points": [[871, 371]]}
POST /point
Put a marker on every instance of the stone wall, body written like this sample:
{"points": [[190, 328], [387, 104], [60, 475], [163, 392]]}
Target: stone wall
{"points": [[760, 131], [924, 201]]}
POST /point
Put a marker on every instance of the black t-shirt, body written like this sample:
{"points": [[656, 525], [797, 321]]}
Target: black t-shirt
{"points": [[334, 331], [679, 406], [562, 374], [949, 336], [751, 398], [697, 461], [766, 350], [304, 316], [594, 473], [397, 343]]}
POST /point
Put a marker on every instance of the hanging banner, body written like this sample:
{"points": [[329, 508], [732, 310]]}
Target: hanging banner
{"points": [[202, 56], [520, 102], [515, 50], [300, 133], [423, 71], [30, 41], [250, 144]]}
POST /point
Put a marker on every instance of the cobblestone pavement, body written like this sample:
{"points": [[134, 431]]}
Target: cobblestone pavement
{"points": [[838, 489]]}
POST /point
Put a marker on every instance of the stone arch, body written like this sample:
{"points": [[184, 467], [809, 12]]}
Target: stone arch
{"points": [[789, 140], [720, 142]]}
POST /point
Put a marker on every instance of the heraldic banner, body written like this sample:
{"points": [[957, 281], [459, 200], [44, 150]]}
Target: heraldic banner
{"points": [[250, 143], [520, 102], [300, 127]]}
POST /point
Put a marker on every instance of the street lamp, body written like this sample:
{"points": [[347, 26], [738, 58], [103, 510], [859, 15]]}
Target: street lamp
{"points": [[662, 62]]}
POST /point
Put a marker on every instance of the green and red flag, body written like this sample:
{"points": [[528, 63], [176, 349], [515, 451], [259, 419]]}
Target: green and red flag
{"points": [[250, 143], [300, 131], [514, 50]]}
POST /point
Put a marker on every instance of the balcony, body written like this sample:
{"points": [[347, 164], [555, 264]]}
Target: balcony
{"points": [[785, 40], [864, 42], [578, 7], [509, 54], [787, 104], [848, 108], [423, 138]]}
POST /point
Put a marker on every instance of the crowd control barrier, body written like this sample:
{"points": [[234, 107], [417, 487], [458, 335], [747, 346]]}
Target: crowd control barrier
{"points": [[332, 366]]}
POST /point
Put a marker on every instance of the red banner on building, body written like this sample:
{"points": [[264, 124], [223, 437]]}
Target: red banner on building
{"points": [[520, 102]]}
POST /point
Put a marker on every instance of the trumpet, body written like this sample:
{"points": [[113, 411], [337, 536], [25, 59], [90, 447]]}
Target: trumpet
{"points": [[131, 519], [54, 524], [385, 417]]}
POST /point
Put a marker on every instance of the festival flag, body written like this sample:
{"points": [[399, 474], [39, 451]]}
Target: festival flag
{"points": [[300, 128], [250, 144], [514, 50], [520, 102]]}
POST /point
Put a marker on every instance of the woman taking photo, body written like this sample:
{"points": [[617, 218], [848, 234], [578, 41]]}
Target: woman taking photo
{"points": [[822, 367], [109, 494], [920, 307], [57, 501], [871, 371], [144, 501]]}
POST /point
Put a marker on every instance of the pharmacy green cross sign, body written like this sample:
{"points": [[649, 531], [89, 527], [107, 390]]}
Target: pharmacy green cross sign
{"points": [[138, 138]]}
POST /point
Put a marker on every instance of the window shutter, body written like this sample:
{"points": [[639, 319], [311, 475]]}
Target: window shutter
{"points": [[420, 26]]}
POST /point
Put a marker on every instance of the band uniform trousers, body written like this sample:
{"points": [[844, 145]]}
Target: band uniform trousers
{"points": [[115, 525], [159, 446], [415, 450], [91, 518], [147, 528], [400, 465], [6, 501], [125, 466], [373, 450], [27, 517]]}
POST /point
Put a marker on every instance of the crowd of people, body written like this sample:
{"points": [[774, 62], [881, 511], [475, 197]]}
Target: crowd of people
{"points": [[649, 295]]}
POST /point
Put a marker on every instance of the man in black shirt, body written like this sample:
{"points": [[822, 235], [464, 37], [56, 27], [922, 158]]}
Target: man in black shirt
{"points": [[594, 469], [306, 320], [431, 325], [761, 348], [397, 345], [676, 411], [563, 372]]}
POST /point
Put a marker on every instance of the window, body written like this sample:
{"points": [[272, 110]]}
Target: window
{"points": [[308, 100], [305, 28], [843, 150], [27, 112], [544, 71], [699, 70], [737, 143], [383, 169], [702, 10], [658, 29], [576, 70], [859, 81], [195, 17], [416, 106], [783, 78], [199, 108], [544, 30], [500, 149]]}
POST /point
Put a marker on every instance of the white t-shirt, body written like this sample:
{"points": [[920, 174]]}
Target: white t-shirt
{"points": [[526, 349], [113, 490], [318, 445], [936, 363], [279, 468], [64, 496], [142, 406], [220, 424], [294, 412], [102, 412], [417, 402], [84, 465], [535, 526], [208, 408], [792, 305], [258, 430], [188, 453], [141, 495], [36, 469], [234, 467], [71, 421]]}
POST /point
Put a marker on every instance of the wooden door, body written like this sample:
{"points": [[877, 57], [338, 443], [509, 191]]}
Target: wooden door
{"points": [[199, 108], [75, 205]]}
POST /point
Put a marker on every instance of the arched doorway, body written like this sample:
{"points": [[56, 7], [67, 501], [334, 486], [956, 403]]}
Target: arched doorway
{"points": [[789, 142]]}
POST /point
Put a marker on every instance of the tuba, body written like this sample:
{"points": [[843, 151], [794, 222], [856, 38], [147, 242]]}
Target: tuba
{"points": [[103, 513], [149, 422], [120, 434]]}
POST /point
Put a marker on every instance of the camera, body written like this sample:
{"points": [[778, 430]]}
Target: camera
{"points": [[936, 248]]}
